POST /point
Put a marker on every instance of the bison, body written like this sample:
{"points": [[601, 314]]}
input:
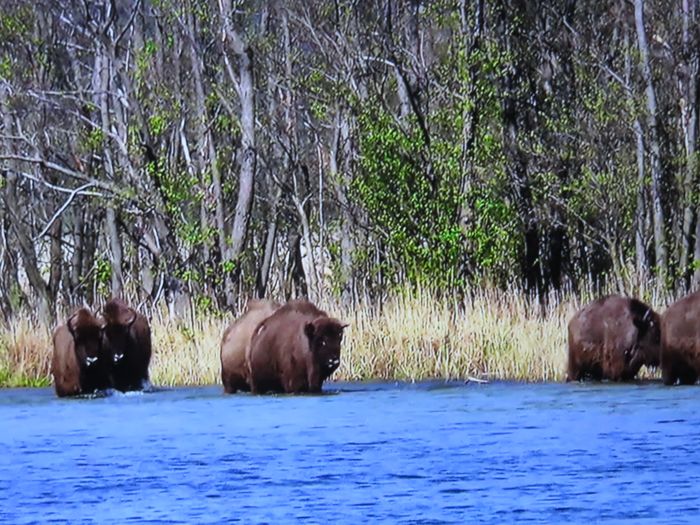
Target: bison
{"points": [[234, 369], [294, 350], [680, 341], [611, 338], [79, 363], [127, 339]]}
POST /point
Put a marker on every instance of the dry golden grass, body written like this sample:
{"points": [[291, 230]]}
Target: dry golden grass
{"points": [[25, 354], [488, 335], [186, 352]]}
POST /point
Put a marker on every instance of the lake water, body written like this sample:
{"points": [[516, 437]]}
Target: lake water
{"points": [[377, 452]]}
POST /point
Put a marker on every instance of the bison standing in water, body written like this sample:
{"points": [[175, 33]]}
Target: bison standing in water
{"points": [[680, 341], [127, 338], [611, 338], [79, 364], [234, 369], [294, 350]]}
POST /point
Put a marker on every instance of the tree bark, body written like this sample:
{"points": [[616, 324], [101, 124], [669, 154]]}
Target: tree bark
{"points": [[689, 121], [115, 246], [660, 249], [246, 182]]}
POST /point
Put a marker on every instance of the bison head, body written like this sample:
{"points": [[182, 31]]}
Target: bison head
{"points": [[325, 335], [648, 347], [87, 334], [118, 320]]}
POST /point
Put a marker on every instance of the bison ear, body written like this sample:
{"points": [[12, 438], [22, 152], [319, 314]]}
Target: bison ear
{"points": [[132, 318], [127, 316], [309, 330], [644, 323], [72, 324]]}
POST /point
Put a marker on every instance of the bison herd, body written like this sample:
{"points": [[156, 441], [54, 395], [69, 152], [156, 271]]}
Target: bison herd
{"points": [[612, 337], [291, 348], [295, 347], [91, 353]]}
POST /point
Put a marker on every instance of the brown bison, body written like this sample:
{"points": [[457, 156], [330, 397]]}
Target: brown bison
{"points": [[127, 339], [234, 369], [294, 350], [79, 364], [680, 341], [611, 338]]}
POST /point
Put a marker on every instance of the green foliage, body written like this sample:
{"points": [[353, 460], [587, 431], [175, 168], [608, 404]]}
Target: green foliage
{"points": [[15, 23], [93, 139], [491, 232], [157, 124], [411, 191], [102, 275], [6, 68]]}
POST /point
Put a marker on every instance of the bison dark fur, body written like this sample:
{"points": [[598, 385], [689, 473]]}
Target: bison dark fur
{"points": [[127, 338], [235, 341], [680, 341], [79, 364], [294, 350], [611, 338]]}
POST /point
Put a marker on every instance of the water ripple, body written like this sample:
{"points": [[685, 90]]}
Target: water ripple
{"points": [[379, 452]]}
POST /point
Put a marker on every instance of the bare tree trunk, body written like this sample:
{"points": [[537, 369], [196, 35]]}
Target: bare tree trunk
{"points": [[342, 169], [115, 245], [56, 259], [640, 222], [471, 40], [696, 257], [246, 181], [689, 122], [640, 212], [654, 146], [76, 265], [90, 244], [264, 270], [26, 248]]}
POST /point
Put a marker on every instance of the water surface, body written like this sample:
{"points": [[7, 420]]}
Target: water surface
{"points": [[372, 452]]}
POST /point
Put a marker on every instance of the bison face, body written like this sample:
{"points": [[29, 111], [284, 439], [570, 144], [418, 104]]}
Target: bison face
{"points": [[117, 336], [325, 336], [648, 348], [87, 335]]}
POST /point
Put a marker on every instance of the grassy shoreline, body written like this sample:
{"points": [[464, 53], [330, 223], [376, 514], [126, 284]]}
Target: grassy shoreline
{"points": [[490, 335]]}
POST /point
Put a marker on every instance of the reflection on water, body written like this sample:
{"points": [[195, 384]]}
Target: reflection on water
{"points": [[397, 453]]}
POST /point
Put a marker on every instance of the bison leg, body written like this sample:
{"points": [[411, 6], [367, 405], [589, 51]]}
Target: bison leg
{"points": [[688, 377], [668, 375]]}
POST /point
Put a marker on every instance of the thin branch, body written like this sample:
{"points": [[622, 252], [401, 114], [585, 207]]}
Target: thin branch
{"points": [[128, 24], [60, 211], [57, 188], [61, 169]]}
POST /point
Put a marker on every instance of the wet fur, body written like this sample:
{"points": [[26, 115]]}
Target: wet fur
{"points": [[127, 332], [611, 338], [73, 342], [235, 341], [290, 350], [680, 341]]}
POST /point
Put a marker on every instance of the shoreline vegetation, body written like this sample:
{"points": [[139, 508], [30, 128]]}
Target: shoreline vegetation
{"points": [[486, 335]]}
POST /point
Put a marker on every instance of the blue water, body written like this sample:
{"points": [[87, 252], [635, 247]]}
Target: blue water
{"points": [[391, 453]]}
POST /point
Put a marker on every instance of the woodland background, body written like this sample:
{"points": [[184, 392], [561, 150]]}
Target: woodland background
{"points": [[218, 150]]}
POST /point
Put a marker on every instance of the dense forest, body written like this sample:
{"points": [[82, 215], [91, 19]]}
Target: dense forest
{"points": [[222, 149]]}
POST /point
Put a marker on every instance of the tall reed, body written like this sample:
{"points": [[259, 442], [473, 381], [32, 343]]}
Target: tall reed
{"points": [[488, 335]]}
